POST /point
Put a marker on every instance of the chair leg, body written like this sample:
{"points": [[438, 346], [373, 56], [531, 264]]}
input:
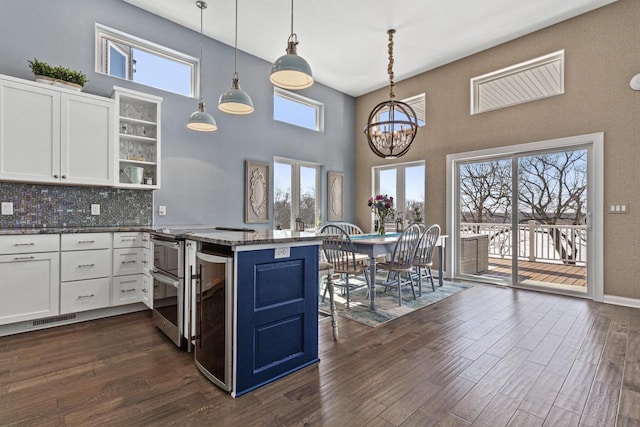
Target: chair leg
{"points": [[433, 286], [332, 308], [326, 287], [346, 281], [419, 281]]}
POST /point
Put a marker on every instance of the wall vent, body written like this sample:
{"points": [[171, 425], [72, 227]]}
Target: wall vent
{"points": [[62, 318], [528, 81]]}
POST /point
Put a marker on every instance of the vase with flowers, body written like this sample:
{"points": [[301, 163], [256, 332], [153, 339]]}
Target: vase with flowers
{"points": [[382, 206]]}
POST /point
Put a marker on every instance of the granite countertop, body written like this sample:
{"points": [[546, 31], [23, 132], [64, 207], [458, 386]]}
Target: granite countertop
{"points": [[65, 230], [258, 237]]}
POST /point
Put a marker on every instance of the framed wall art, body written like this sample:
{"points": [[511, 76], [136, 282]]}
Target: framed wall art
{"points": [[335, 198], [256, 199]]}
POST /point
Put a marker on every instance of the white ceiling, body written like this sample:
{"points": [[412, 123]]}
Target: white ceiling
{"points": [[345, 41]]}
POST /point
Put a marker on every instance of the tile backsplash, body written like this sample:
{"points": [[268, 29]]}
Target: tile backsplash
{"points": [[37, 205]]}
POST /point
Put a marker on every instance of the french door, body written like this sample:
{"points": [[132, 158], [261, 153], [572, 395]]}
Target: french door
{"points": [[523, 216]]}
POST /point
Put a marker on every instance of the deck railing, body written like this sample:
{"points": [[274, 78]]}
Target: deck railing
{"points": [[565, 244]]}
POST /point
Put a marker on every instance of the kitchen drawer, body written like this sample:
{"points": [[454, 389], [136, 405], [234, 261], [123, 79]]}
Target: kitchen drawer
{"points": [[84, 295], [126, 289], [128, 261], [129, 240], [29, 243], [82, 265], [82, 241]]}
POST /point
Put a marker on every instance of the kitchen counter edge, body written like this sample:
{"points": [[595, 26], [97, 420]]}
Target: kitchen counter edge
{"points": [[71, 230]]}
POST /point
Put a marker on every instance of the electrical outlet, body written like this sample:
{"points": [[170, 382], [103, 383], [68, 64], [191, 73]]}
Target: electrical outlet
{"points": [[7, 208], [619, 208], [95, 209], [162, 210]]}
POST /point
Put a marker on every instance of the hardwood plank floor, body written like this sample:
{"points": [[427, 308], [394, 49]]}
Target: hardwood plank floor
{"points": [[486, 356]]}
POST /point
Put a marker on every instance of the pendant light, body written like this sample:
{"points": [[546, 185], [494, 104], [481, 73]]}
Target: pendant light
{"points": [[291, 71], [201, 120], [392, 125], [235, 100]]}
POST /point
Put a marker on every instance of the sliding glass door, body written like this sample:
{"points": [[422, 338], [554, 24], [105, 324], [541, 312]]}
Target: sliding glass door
{"points": [[524, 218]]}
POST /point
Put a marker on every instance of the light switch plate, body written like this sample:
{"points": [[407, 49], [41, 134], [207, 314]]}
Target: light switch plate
{"points": [[162, 210], [95, 209], [7, 208]]}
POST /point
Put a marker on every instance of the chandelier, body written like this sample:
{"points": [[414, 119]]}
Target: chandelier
{"points": [[392, 125]]}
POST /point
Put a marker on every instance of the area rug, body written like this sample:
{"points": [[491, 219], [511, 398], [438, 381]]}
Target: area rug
{"points": [[387, 307]]}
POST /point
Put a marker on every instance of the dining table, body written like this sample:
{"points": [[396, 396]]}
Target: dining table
{"points": [[375, 245]]}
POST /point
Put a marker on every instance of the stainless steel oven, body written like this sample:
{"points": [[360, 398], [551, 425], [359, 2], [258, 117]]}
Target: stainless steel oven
{"points": [[169, 297]]}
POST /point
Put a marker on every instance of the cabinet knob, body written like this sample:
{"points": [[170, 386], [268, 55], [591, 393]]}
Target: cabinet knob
{"points": [[55, 176], [64, 176]]}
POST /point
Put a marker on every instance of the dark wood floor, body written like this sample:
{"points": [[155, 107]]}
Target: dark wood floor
{"points": [[487, 356]]}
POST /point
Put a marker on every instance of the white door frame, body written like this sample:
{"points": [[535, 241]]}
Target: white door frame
{"points": [[595, 201]]}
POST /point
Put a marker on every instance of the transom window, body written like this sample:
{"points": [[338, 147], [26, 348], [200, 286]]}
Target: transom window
{"points": [[416, 102], [297, 110], [131, 58]]}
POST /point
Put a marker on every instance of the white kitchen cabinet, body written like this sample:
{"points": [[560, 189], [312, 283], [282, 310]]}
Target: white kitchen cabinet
{"points": [[29, 280], [54, 135], [84, 295], [139, 136]]}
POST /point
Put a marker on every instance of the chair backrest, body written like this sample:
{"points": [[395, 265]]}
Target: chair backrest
{"points": [[338, 248], [404, 251], [426, 248], [348, 227]]}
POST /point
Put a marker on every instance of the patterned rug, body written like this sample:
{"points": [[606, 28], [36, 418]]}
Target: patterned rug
{"points": [[387, 307]]}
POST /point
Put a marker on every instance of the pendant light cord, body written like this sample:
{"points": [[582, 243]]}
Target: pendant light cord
{"points": [[390, 67], [202, 5], [235, 55], [291, 16]]}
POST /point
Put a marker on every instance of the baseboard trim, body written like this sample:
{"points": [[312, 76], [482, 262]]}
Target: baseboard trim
{"points": [[624, 301]]}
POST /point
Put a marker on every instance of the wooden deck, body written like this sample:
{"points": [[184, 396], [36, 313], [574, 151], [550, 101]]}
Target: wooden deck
{"points": [[558, 274]]}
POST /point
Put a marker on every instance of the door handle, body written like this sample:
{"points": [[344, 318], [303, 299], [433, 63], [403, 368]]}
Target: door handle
{"points": [[587, 220]]}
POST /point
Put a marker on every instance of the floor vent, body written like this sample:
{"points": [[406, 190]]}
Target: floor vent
{"points": [[528, 81], [55, 319]]}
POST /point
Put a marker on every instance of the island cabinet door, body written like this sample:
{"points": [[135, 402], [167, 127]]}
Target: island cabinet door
{"points": [[277, 314]]}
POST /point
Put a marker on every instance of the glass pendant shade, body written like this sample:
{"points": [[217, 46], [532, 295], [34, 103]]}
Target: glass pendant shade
{"points": [[201, 120], [291, 71], [235, 100]]}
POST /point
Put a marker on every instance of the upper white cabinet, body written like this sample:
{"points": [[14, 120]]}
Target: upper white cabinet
{"points": [[138, 128], [54, 135]]}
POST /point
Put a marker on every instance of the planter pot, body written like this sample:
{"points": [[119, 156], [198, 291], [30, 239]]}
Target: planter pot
{"points": [[55, 82], [45, 80], [68, 85]]}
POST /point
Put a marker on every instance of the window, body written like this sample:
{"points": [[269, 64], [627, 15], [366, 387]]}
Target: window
{"points": [[131, 58], [416, 102], [297, 110], [296, 193], [528, 81], [404, 182]]}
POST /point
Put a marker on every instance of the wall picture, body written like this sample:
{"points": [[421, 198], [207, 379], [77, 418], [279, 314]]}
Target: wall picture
{"points": [[256, 192], [335, 202]]}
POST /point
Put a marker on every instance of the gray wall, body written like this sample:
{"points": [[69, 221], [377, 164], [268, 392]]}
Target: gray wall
{"points": [[202, 173]]}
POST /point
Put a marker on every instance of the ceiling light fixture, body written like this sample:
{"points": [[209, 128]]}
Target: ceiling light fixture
{"points": [[235, 100], [201, 120], [291, 71], [392, 125]]}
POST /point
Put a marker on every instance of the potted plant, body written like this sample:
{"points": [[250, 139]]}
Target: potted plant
{"points": [[59, 76]]}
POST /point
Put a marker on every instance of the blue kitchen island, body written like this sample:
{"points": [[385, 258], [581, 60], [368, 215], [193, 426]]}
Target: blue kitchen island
{"points": [[255, 299]]}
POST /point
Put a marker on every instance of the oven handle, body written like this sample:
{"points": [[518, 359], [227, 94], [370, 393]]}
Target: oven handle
{"points": [[212, 258], [157, 242], [167, 280]]}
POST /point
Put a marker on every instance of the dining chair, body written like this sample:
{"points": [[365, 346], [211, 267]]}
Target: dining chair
{"points": [[350, 228], [401, 261], [423, 260], [339, 251]]}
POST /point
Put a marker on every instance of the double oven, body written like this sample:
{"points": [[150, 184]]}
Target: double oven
{"points": [[170, 294]]}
